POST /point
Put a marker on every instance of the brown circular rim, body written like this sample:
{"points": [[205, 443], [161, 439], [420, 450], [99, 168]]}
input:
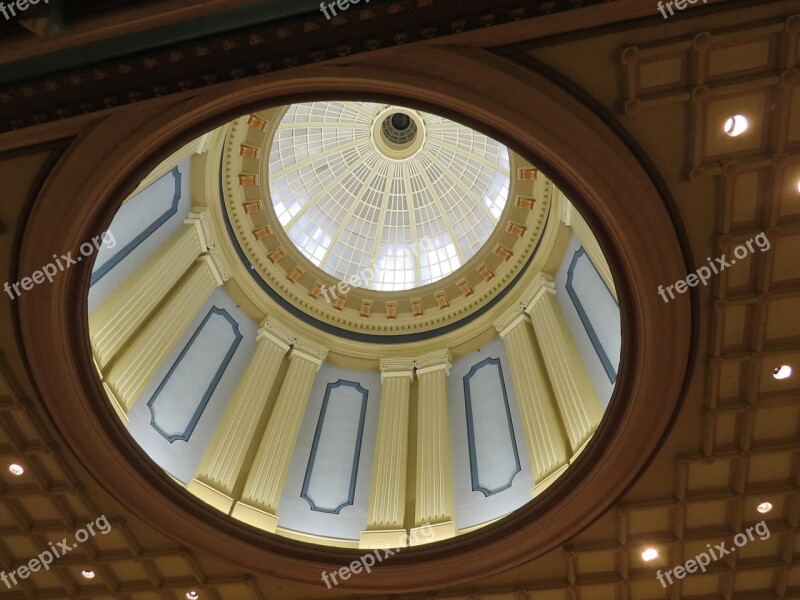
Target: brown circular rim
{"points": [[84, 190]]}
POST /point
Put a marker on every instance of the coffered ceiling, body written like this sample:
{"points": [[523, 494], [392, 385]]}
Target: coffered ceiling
{"points": [[666, 87]]}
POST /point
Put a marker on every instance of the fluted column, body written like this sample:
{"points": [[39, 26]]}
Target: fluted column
{"points": [[388, 491], [262, 491], [120, 314], [544, 432], [434, 491], [224, 457], [138, 361], [580, 406]]}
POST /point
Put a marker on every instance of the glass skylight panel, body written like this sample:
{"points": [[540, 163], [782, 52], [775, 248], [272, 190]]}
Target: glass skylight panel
{"points": [[349, 206]]}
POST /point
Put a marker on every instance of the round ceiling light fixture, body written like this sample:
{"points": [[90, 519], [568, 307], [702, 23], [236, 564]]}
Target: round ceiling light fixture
{"points": [[736, 125], [649, 554], [782, 372], [764, 507], [88, 574], [16, 469]]}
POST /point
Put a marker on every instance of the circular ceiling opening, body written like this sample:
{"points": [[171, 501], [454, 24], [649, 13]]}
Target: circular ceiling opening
{"points": [[233, 395], [295, 431], [399, 129]]}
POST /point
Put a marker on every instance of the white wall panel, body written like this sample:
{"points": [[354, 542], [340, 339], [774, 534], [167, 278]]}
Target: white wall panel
{"points": [[473, 506]]}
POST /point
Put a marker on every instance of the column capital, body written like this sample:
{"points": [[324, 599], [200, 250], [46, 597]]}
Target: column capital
{"points": [[309, 352], [441, 361], [567, 212], [511, 319], [397, 368], [199, 217], [212, 267], [543, 284], [269, 330]]}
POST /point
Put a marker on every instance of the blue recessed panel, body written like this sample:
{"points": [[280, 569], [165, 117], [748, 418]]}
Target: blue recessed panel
{"points": [[330, 480], [181, 398], [597, 308], [493, 454], [137, 220]]}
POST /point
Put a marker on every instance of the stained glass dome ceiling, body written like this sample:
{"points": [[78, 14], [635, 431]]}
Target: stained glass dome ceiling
{"points": [[388, 196]]}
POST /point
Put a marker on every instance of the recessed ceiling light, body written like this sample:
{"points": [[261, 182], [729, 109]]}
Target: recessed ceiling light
{"points": [[782, 372], [764, 507], [192, 595], [736, 125], [88, 573], [649, 554], [16, 469]]}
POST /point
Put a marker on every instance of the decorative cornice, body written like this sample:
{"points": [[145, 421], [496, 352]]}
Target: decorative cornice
{"points": [[360, 310], [252, 51]]}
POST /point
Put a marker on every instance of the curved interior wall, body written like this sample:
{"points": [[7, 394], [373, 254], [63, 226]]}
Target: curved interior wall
{"points": [[593, 317], [140, 228], [492, 473]]}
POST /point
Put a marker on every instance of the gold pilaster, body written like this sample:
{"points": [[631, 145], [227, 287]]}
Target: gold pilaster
{"points": [[121, 314], [138, 361], [434, 484], [262, 492], [544, 432], [224, 457], [388, 491], [580, 406]]}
